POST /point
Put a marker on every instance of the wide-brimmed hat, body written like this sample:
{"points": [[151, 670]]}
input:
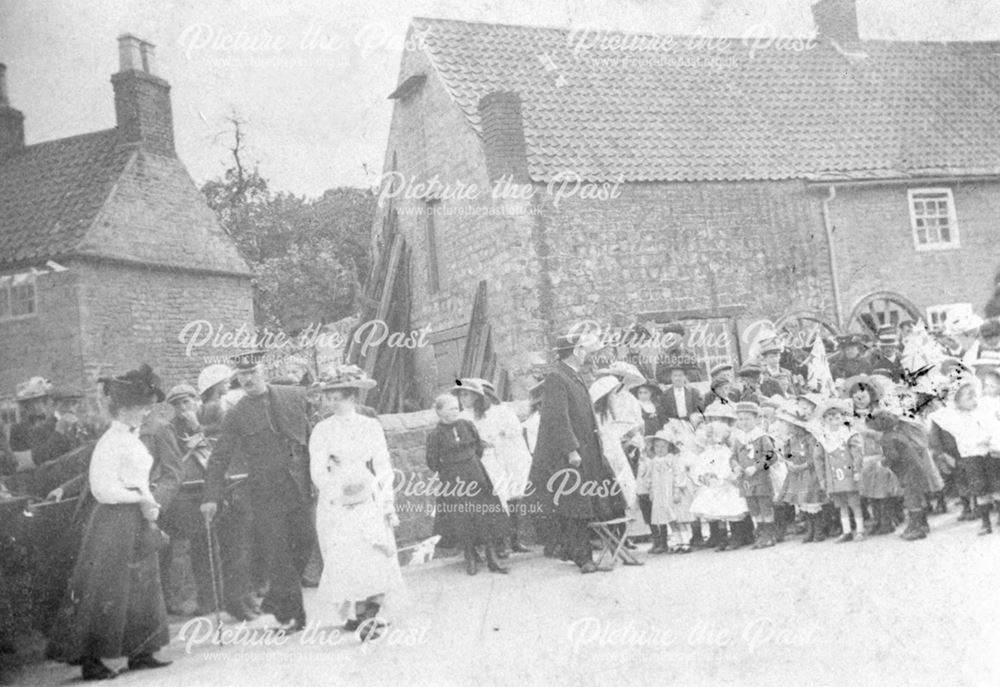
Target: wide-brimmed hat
{"points": [[812, 397], [648, 384], [720, 411], [888, 336], [628, 373], [469, 384], [866, 381], [842, 404], [491, 391], [181, 391], [138, 387], [345, 377], [719, 369], [666, 434], [249, 360], [212, 375], [36, 387], [603, 386], [774, 401], [787, 412]]}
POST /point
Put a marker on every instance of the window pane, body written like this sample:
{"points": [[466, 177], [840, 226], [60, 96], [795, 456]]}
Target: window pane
{"points": [[921, 236], [22, 300], [945, 234]]}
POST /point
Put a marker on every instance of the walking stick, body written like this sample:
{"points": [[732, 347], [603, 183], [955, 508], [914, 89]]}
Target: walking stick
{"points": [[216, 582]]}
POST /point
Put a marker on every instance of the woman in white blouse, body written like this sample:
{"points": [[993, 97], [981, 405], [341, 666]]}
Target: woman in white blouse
{"points": [[355, 514], [114, 606]]}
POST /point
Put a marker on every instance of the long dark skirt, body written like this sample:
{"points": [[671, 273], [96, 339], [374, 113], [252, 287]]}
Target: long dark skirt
{"points": [[466, 510], [114, 603]]}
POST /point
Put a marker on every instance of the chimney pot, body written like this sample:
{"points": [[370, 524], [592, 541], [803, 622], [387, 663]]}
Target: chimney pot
{"points": [[502, 126], [837, 21], [11, 121], [129, 52], [4, 101], [142, 100], [148, 51]]}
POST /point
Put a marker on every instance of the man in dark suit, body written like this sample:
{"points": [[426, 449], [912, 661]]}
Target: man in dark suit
{"points": [[848, 361], [679, 401], [269, 427], [568, 467]]}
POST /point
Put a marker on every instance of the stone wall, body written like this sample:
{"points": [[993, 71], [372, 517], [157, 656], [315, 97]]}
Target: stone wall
{"points": [[406, 434]]}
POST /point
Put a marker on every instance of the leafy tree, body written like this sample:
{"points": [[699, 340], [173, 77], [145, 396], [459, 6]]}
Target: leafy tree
{"points": [[308, 256]]}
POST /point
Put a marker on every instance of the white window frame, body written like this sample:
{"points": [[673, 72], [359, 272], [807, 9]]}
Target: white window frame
{"points": [[954, 241], [941, 313], [9, 282]]}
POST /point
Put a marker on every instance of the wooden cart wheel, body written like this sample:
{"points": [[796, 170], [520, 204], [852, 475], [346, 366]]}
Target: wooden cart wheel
{"points": [[800, 328], [879, 309]]}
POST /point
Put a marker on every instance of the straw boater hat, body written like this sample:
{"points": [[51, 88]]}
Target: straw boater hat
{"points": [[134, 388], [36, 387], [771, 345], [720, 411], [345, 377], [887, 336], [628, 373], [747, 407], [603, 386], [787, 412]]}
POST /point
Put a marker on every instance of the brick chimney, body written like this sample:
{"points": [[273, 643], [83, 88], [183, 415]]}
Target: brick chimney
{"points": [[11, 121], [503, 136], [142, 99], [837, 21]]}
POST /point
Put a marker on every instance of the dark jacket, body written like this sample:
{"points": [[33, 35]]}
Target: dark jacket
{"points": [[271, 432], [567, 424], [668, 405], [167, 474]]}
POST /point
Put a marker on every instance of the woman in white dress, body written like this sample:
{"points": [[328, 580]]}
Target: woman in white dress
{"points": [[355, 513], [611, 433]]}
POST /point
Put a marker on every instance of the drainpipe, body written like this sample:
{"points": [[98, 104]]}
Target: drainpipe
{"points": [[828, 225]]}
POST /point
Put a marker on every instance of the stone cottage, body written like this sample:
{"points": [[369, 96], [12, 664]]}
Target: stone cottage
{"points": [[621, 177], [107, 247]]}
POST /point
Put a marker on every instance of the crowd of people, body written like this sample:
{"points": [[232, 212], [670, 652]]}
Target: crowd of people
{"points": [[833, 442]]}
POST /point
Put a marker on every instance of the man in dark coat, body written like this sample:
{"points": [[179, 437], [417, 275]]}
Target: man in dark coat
{"points": [[679, 401], [886, 357], [848, 361], [269, 427], [569, 475]]}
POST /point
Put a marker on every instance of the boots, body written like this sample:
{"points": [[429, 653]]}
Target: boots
{"points": [[886, 524], [724, 536], [515, 526], [819, 527], [765, 536], [915, 526], [781, 517], [984, 514], [810, 529], [491, 561], [967, 513], [697, 541], [471, 562], [713, 535], [659, 540], [740, 532], [942, 505], [878, 509]]}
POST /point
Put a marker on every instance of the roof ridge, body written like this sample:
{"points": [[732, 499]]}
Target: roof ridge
{"points": [[88, 134], [625, 32]]}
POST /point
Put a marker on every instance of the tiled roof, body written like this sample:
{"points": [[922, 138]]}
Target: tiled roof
{"points": [[51, 192], [901, 109]]}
